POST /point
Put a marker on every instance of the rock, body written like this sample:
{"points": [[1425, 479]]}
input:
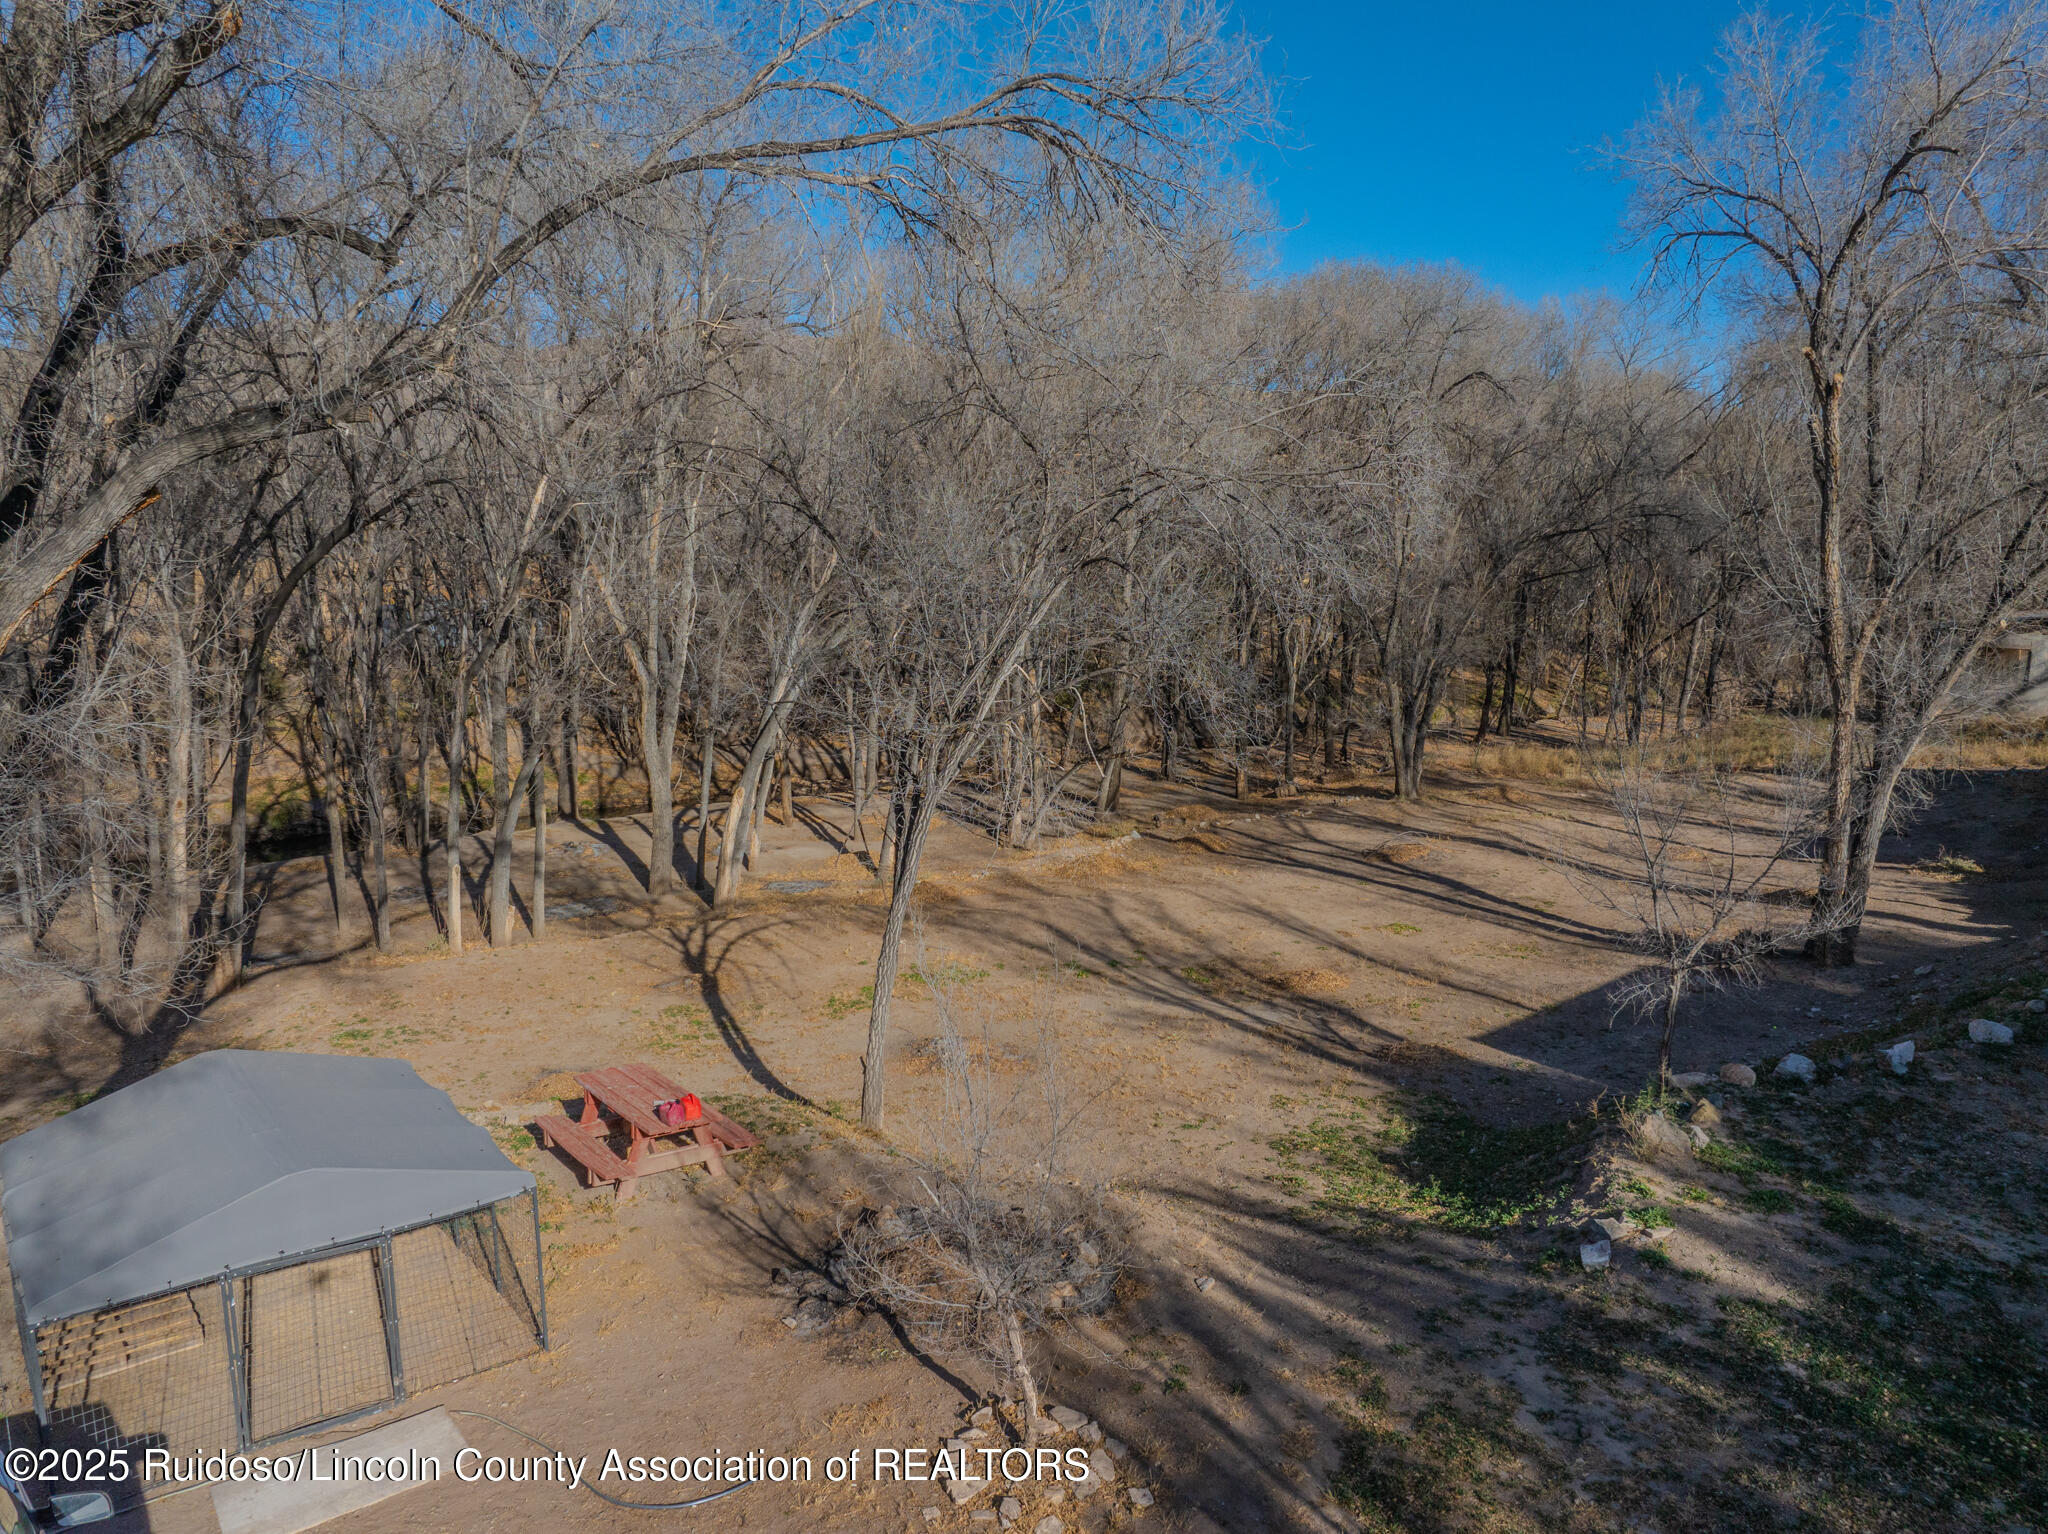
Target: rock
{"points": [[1048, 1525], [1984, 1031], [963, 1491], [1798, 1067], [1091, 1433], [1692, 1081], [982, 1515], [2037, 1005], [1898, 1056], [1595, 1255], [984, 1416], [1738, 1075], [1204, 1284], [932, 1515], [1611, 1228], [1101, 1471], [1073, 1421], [1009, 1510], [1704, 1114], [1923, 971], [1660, 1137], [1700, 1138], [1088, 1255], [812, 1318], [974, 1435], [1115, 1448], [1053, 1496], [1141, 1496]]}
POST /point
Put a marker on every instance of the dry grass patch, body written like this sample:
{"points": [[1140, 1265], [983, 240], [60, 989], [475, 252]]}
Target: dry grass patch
{"points": [[1309, 982], [1402, 852]]}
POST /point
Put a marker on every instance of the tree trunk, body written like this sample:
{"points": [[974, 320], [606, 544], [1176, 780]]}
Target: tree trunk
{"points": [[656, 752], [106, 923], [328, 789], [915, 812], [785, 771], [538, 906], [505, 795], [1020, 1371], [178, 791], [1674, 990], [456, 752], [707, 770], [373, 812], [1833, 947], [567, 778], [743, 810]]}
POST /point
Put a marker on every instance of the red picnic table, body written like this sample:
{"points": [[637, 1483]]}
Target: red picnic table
{"points": [[624, 1099]]}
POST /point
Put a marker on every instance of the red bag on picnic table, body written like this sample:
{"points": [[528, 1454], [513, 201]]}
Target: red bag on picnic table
{"points": [[682, 1110]]}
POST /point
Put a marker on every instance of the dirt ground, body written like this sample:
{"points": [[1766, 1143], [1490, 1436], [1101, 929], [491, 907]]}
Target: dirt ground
{"points": [[1352, 1060]]}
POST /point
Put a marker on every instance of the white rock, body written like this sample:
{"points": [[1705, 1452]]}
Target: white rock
{"points": [[1009, 1510], [1798, 1067], [1048, 1525], [1101, 1471], [964, 1491], [1984, 1031], [1898, 1056], [1738, 1075], [1692, 1081], [1660, 1137], [1594, 1255], [1923, 971], [1053, 1496], [2037, 1005], [1091, 1432], [1114, 1448], [932, 1515], [985, 1417], [1613, 1228], [1141, 1496], [1699, 1134], [1204, 1284], [1068, 1418]]}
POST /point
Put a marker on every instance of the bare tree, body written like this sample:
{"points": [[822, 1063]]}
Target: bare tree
{"points": [[1700, 849], [1846, 222]]}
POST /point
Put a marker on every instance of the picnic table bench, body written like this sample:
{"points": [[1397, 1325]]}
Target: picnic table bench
{"points": [[622, 1100]]}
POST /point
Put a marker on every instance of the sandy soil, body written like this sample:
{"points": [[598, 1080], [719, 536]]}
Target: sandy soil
{"points": [[1230, 974]]}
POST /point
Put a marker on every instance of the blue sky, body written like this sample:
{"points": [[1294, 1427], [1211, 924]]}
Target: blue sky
{"points": [[1427, 130]]}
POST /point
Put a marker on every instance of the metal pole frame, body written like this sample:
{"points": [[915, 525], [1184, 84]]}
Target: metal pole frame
{"points": [[540, 1277], [31, 1352], [238, 1362], [394, 1351]]}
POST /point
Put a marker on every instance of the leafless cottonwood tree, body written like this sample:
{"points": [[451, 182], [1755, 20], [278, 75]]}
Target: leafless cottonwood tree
{"points": [[535, 123], [1850, 221]]}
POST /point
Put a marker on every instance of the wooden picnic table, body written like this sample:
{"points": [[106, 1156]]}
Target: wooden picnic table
{"points": [[623, 1100]]}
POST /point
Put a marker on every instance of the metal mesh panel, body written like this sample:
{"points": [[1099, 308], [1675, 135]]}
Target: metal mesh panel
{"points": [[467, 1300], [313, 1339], [149, 1375]]}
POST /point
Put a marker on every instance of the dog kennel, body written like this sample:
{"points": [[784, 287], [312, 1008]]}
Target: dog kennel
{"points": [[249, 1245]]}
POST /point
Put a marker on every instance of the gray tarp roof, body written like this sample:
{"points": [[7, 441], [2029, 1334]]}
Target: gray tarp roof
{"points": [[227, 1161]]}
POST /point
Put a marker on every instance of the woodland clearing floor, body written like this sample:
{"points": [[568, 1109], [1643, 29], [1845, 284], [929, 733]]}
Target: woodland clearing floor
{"points": [[1344, 1057]]}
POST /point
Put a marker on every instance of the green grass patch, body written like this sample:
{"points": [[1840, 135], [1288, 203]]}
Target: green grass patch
{"points": [[1422, 1159]]}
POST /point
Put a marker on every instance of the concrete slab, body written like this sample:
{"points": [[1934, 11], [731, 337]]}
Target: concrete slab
{"points": [[340, 1477]]}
